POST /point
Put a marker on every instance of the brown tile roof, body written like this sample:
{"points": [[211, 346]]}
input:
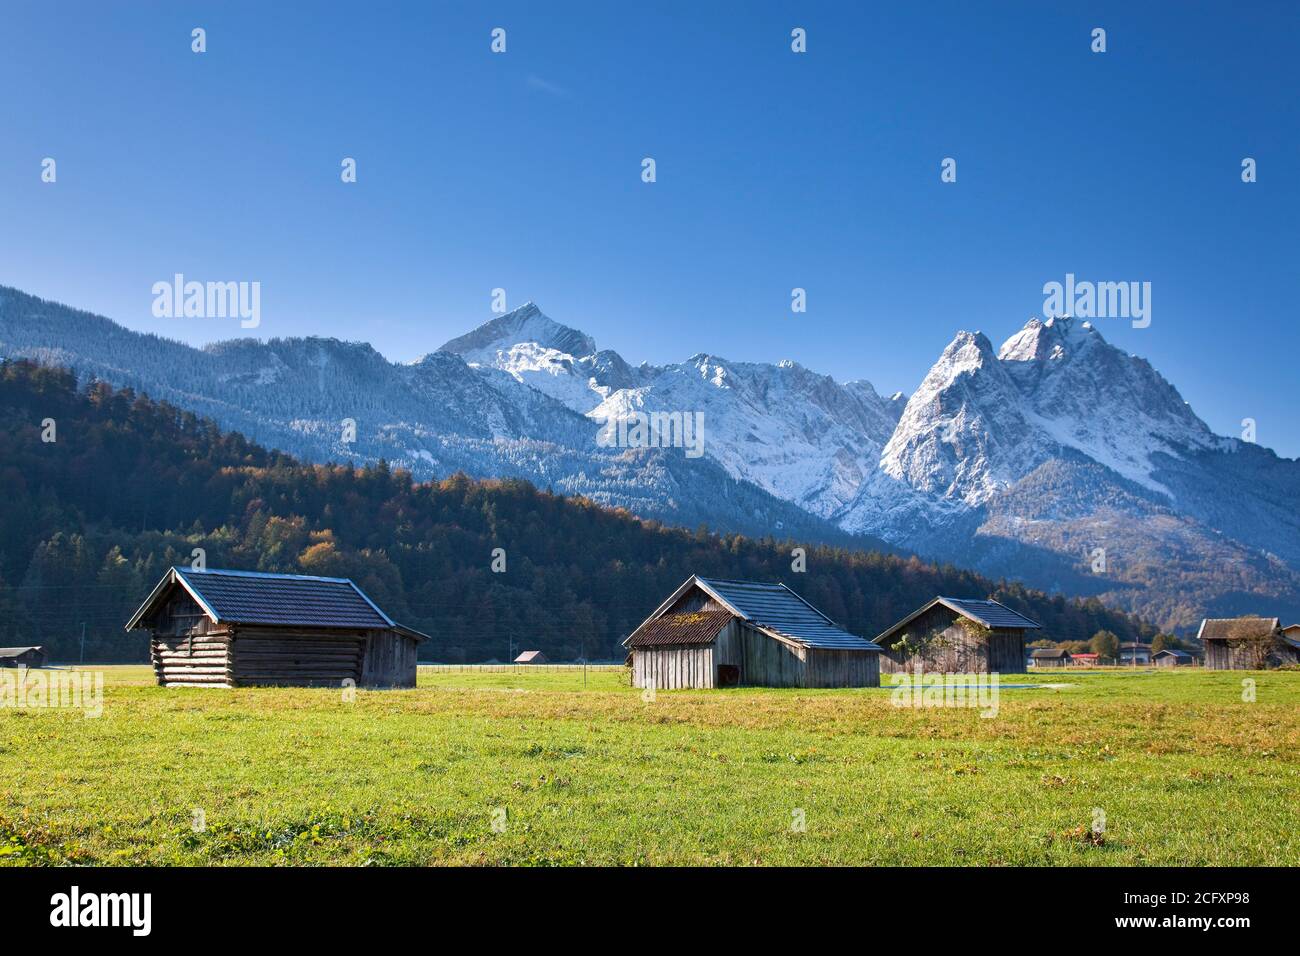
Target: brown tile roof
{"points": [[1237, 628], [687, 627]]}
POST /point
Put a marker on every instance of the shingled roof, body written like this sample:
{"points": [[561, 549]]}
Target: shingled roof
{"points": [[773, 608], [1237, 628], [280, 600], [682, 629]]}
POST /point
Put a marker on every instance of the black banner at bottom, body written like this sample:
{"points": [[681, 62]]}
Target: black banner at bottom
{"points": [[342, 905]]}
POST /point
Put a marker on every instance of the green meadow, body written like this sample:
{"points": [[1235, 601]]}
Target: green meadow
{"points": [[538, 768]]}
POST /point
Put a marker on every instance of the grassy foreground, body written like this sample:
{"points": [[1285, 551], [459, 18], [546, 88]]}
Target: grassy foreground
{"points": [[531, 768]]}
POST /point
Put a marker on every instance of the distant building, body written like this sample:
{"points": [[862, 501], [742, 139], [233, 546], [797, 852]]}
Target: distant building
{"points": [[958, 636], [1135, 653], [1172, 658], [531, 657], [1247, 643], [1087, 659], [22, 656], [1041, 657], [217, 628], [712, 633]]}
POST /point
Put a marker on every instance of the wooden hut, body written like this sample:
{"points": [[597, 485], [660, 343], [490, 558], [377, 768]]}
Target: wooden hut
{"points": [[243, 628], [1135, 653], [1169, 657], [712, 633], [531, 657], [1041, 657], [957, 636], [22, 656], [1247, 643]]}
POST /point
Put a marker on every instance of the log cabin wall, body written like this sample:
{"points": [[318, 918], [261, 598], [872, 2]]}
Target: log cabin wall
{"points": [[186, 648], [194, 660], [265, 656]]}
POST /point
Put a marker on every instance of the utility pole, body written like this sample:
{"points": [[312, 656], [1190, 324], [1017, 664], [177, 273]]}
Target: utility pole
{"points": [[83, 644]]}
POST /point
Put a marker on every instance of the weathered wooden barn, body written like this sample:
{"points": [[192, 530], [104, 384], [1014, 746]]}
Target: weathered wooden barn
{"points": [[1041, 657], [531, 657], [957, 636], [712, 633], [22, 656], [1247, 643], [1169, 657], [217, 628]]}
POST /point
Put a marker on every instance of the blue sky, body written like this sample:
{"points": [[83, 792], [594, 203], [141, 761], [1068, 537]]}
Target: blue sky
{"points": [[775, 170]]}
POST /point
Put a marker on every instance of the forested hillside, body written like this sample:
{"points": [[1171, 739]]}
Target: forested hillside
{"points": [[90, 521]]}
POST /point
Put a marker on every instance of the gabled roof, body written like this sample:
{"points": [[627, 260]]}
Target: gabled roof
{"points": [[1048, 653], [991, 614], [772, 608], [1175, 653], [527, 657], [282, 600], [15, 651], [1236, 628]]}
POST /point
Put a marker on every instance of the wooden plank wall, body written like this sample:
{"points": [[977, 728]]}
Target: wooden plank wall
{"points": [[767, 662], [389, 661], [1221, 655], [673, 668], [828, 668]]}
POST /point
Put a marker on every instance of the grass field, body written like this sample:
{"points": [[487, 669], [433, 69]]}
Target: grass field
{"points": [[1184, 771]]}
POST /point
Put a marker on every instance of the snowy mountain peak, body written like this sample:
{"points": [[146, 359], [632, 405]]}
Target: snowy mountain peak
{"points": [[1042, 341], [526, 324], [967, 352]]}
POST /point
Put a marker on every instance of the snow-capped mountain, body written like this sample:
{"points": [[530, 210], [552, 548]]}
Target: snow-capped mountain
{"points": [[1028, 461], [800, 436], [434, 416]]}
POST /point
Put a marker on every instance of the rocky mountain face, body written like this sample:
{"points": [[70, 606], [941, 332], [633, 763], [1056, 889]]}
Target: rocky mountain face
{"points": [[1056, 459]]}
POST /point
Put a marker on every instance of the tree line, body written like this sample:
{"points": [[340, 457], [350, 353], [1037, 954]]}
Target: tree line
{"points": [[96, 508]]}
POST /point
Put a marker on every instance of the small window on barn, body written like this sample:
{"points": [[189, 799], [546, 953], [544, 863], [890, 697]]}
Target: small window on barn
{"points": [[185, 623]]}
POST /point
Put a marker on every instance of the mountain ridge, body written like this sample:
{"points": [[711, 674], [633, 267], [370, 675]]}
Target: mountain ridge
{"points": [[1021, 460]]}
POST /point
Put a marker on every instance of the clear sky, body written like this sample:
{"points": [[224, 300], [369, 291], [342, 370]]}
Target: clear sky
{"points": [[775, 170]]}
